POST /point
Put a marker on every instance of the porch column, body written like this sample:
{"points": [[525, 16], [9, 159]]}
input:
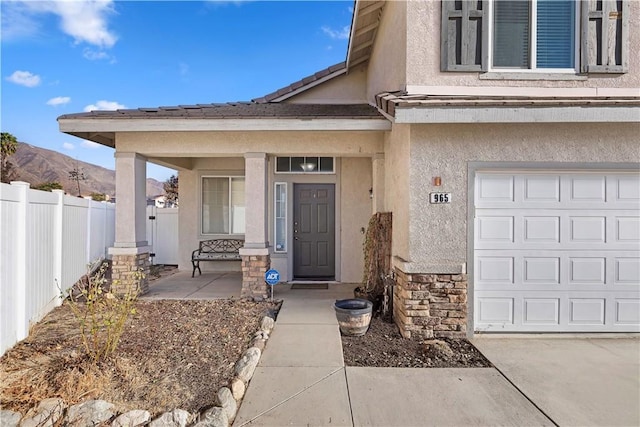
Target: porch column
{"points": [[130, 253], [255, 254], [377, 168]]}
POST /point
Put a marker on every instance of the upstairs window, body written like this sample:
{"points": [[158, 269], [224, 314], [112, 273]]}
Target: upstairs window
{"points": [[543, 35], [536, 34]]}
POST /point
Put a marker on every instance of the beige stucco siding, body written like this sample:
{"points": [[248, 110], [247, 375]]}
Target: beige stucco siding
{"points": [[423, 58], [387, 65], [203, 144], [348, 88], [396, 186], [438, 233], [355, 182]]}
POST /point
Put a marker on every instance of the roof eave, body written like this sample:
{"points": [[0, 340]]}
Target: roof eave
{"points": [[517, 114], [75, 126]]}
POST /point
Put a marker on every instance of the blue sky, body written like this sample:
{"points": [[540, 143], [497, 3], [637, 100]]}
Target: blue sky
{"points": [[62, 57]]}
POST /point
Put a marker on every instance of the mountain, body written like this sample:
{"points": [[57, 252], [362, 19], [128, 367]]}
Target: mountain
{"points": [[37, 165]]}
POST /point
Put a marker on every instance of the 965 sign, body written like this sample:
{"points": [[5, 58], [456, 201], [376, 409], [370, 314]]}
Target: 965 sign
{"points": [[440, 198]]}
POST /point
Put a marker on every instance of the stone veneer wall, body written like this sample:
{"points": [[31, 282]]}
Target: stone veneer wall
{"points": [[430, 305], [123, 269], [254, 268]]}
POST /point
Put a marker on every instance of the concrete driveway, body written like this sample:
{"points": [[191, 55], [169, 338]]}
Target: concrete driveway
{"points": [[575, 381]]}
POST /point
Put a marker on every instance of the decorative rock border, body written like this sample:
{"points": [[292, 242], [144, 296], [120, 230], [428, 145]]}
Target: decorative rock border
{"points": [[51, 411]]}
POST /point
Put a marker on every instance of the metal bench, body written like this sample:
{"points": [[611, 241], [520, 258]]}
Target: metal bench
{"points": [[216, 250]]}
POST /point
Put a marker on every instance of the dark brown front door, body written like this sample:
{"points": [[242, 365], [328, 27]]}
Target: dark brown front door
{"points": [[314, 232]]}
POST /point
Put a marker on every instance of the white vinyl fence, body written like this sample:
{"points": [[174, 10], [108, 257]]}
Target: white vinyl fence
{"points": [[46, 242], [162, 234]]}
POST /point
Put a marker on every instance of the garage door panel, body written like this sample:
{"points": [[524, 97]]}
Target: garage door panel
{"points": [[541, 311], [541, 229], [541, 189], [587, 270], [586, 311], [627, 271], [587, 229], [627, 189], [587, 189], [557, 251], [627, 229], [627, 311], [541, 270]]}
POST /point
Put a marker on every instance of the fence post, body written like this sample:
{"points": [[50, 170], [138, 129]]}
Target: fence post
{"points": [[59, 246], [22, 329], [88, 260]]}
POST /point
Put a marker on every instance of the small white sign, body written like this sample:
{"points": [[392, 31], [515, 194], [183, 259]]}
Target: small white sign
{"points": [[440, 198]]}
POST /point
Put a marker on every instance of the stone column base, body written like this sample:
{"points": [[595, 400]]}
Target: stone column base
{"points": [[430, 305], [124, 270], [254, 268]]}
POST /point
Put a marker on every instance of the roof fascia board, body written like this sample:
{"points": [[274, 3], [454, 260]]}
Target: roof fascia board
{"points": [[178, 125], [569, 114], [352, 36], [310, 85], [519, 91]]}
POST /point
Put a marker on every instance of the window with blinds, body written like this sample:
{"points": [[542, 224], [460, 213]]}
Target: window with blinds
{"points": [[535, 34]]}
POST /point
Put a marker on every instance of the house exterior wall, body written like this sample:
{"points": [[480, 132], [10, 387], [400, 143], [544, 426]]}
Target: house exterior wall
{"points": [[397, 190], [438, 233], [387, 65], [355, 182], [348, 88], [423, 56], [221, 144]]}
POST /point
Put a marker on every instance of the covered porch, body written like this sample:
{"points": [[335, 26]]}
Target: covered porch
{"points": [[233, 183]]}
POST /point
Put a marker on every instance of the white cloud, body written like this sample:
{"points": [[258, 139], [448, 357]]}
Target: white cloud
{"points": [[59, 100], [104, 105], [17, 22], [68, 146], [90, 144], [340, 34], [95, 55], [24, 78], [84, 20]]}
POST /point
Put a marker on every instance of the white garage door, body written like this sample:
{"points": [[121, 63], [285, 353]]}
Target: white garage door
{"points": [[557, 252]]}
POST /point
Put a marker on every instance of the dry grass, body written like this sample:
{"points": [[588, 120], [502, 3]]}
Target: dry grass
{"points": [[173, 354]]}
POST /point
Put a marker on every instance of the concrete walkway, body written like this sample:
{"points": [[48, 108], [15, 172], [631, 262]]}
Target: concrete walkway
{"points": [[301, 380]]}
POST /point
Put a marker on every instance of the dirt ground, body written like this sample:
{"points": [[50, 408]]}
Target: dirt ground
{"points": [[177, 354], [173, 354], [383, 346]]}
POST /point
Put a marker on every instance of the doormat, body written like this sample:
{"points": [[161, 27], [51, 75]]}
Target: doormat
{"points": [[310, 286]]}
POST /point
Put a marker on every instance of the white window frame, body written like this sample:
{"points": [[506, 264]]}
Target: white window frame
{"points": [[276, 217], [313, 172], [533, 25], [230, 213]]}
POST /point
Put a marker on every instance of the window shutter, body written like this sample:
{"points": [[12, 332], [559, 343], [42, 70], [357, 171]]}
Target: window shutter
{"points": [[464, 35], [605, 36]]}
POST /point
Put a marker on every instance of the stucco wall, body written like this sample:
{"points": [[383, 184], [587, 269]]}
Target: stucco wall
{"points": [[355, 182], [202, 144], [396, 186], [423, 59], [387, 65], [348, 88], [438, 233]]}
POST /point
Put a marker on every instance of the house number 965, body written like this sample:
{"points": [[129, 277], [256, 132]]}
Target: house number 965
{"points": [[440, 198]]}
